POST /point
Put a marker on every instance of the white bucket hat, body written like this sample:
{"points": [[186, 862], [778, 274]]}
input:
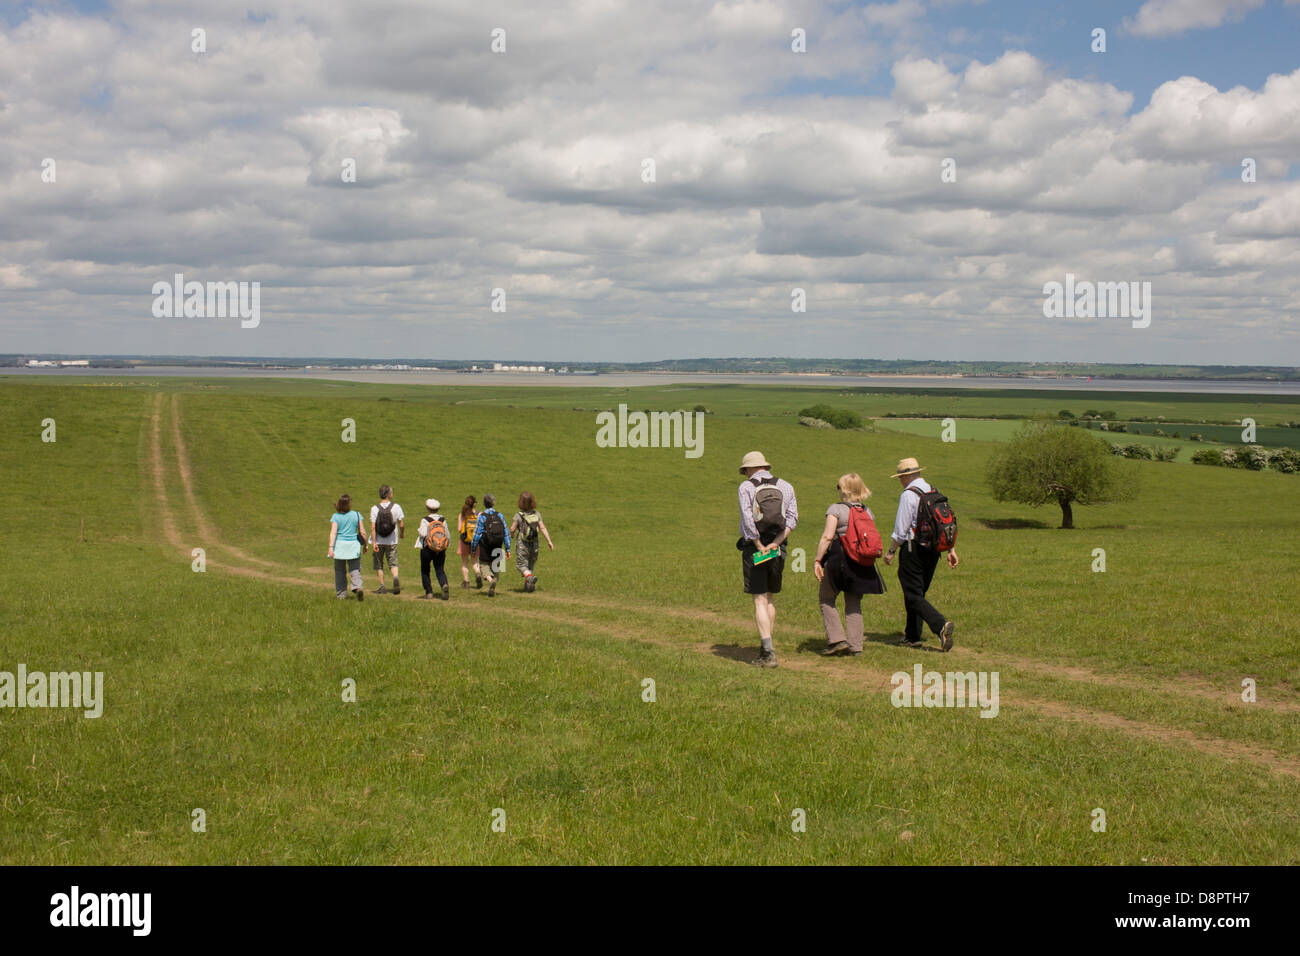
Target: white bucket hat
{"points": [[754, 459]]}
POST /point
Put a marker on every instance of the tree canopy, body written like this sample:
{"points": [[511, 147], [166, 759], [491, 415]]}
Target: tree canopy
{"points": [[1045, 463]]}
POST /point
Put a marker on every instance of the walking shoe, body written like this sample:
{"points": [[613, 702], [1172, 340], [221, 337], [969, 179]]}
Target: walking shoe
{"points": [[945, 636], [397, 588], [907, 642], [464, 584], [765, 659], [530, 583], [830, 650], [381, 590], [492, 589], [446, 593], [478, 581], [425, 596], [360, 593]]}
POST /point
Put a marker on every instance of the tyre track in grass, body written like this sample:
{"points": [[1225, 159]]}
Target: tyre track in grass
{"points": [[1192, 687], [206, 531], [157, 471], [861, 675]]}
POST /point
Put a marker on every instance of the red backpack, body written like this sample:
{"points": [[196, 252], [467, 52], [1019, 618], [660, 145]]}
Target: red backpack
{"points": [[861, 540]]}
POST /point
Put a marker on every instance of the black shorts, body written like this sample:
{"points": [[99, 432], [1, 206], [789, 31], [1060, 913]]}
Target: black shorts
{"points": [[762, 578]]}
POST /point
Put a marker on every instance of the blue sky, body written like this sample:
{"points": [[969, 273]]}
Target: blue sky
{"points": [[774, 172]]}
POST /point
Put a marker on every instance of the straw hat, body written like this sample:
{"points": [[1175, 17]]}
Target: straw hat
{"points": [[907, 466], [754, 459], [433, 504]]}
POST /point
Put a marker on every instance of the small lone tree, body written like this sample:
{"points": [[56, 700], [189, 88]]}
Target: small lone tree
{"points": [[1046, 462]]}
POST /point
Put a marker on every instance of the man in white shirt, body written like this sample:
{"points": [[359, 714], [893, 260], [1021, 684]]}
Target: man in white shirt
{"points": [[384, 546], [768, 513], [916, 564]]}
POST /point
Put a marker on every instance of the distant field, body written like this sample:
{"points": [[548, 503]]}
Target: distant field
{"points": [[1002, 430], [1119, 690]]}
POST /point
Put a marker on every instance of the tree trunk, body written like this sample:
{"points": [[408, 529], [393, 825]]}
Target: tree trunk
{"points": [[1067, 515]]}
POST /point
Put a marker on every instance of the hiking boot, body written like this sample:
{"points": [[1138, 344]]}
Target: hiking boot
{"points": [[446, 593], [530, 585], [360, 593], [425, 596], [946, 635], [907, 642], [478, 581], [397, 588], [492, 589], [765, 659], [381, 590], [830, 650], [464, 584]]}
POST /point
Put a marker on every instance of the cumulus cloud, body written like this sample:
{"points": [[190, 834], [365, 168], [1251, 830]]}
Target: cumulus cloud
{"points": [[1166, 17], [527, 171]]}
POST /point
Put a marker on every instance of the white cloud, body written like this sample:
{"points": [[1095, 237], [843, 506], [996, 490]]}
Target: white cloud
{"points": [[523, 171], [1167, 17]]}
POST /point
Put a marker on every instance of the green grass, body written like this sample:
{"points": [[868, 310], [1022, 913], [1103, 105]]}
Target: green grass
{"points": [[223, 691]]}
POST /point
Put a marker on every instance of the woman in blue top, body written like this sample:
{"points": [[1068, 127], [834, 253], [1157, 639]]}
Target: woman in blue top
{"points": [[346, 531]]}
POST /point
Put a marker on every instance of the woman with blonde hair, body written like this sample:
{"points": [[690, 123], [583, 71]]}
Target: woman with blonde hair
{"points": [[837, 572]]}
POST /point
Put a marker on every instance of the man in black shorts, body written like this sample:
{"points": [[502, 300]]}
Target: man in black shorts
{"points": [[768, 513]]}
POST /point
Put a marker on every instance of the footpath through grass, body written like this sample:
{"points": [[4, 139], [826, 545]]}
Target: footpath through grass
{"points": [[224, 689]]}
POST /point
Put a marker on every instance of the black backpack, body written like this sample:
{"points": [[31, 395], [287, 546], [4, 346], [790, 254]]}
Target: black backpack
{"points": [[384, 523], [769, 508], [493, 535], [936, 525]]}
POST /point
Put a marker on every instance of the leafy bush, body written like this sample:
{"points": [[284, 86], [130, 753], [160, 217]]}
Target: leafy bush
{"points": [[1065, 413], [1135, 450], [1208, 456], [1284, 460], [837, 417], [1250, 457], [1196, 436], [1168, 454]]}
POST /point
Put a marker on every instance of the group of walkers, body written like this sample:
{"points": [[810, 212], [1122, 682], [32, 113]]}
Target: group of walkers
{"points": [[483, 542], [924, 529]]}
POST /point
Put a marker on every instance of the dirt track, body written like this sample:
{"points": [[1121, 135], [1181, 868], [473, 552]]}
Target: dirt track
{"points": [[569, 610]]}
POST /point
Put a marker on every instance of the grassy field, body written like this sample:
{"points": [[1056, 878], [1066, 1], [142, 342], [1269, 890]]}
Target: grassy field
{"points": [[1002, 429], [1118, 690]]}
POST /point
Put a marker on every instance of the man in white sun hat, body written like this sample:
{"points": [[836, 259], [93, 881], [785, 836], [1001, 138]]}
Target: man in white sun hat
{"points": [[768, 513], [917, 563], [434, 539]]}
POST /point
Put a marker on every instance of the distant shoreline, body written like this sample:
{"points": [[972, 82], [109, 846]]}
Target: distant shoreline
{"points": [[621, 379]]}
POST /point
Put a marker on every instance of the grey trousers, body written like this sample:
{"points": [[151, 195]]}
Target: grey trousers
{"points": [[851, 630], [345, 568]]}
